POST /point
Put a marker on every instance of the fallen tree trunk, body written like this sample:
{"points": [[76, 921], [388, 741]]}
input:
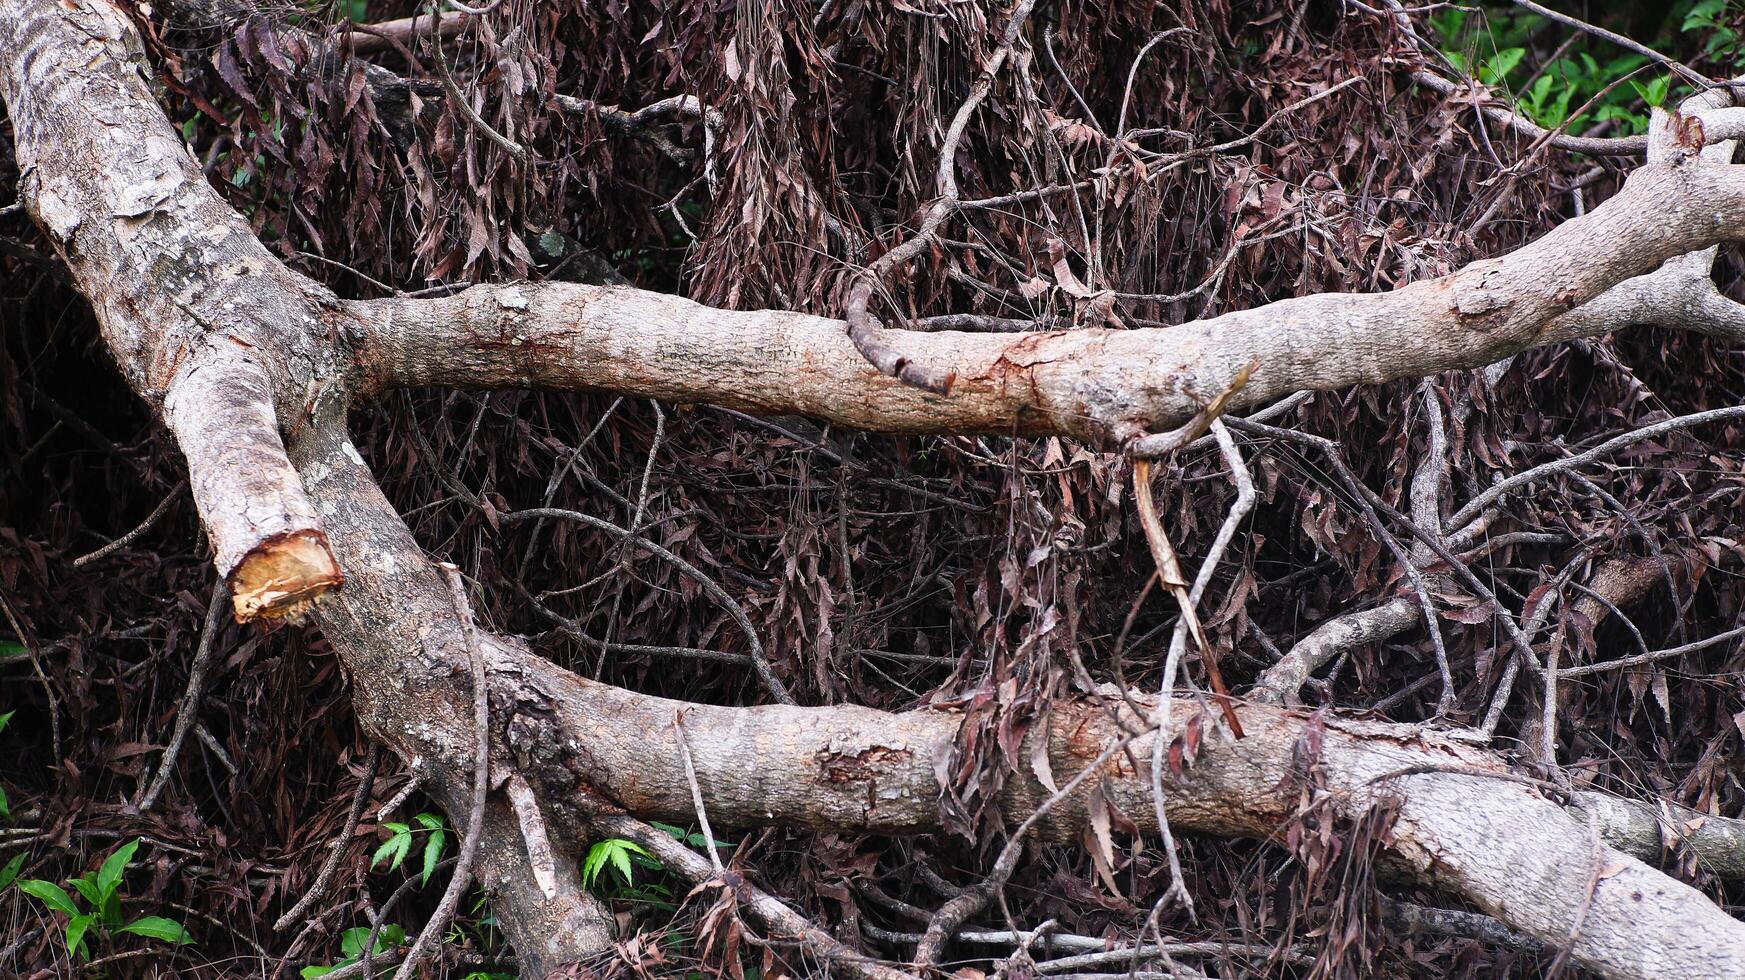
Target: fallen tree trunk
{"points": [[254, 367]]}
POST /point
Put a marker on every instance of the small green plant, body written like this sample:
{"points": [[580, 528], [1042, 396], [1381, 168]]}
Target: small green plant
{"points": [[692, 837], [399, 844], [616, 853], [624, 856], [1492, 42], [1707, 15], [99, 889], [351, 947]]}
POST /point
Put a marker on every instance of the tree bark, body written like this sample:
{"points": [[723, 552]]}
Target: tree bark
{"points": [[253, 368]]}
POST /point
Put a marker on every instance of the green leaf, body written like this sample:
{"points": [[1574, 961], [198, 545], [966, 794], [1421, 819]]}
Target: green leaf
{"points": [[8, 650], [621, 861], [311, 971], [158, 927], [592, 864], [1497, 67], [1705, 13], [86, 885], [1448, 23], [615, 853], [77, 926], [4, 653], [50, 894], [691, 837], [432, 854], [5, 807], [1615, 68], [1653, 93], [395, 848], [429, 821], [9, 874], [351, 941], [109, 876]]}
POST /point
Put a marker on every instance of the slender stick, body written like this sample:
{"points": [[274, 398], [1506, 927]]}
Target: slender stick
{"points": [[359, 800], [150, 521], [190, 708], [469, 849]]}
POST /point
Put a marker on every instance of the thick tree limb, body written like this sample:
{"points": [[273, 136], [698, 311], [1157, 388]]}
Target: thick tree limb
{"points": [[189, 302], [204, 322], [1093, 384], [405, 31]]}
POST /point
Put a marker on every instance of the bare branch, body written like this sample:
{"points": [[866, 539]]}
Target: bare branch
{"points": [[784, 922], [189, 711], [462, 876], [157, 514], [1093, 383], [330, 867]]}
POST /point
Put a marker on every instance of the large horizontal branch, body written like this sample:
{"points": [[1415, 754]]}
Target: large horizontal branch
{"points": [[1464, 824], [1094, 384]]}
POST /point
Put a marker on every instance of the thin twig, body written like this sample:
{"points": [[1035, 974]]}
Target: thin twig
{"points": [[758, 661], [1239, 510], [359, 800], [465, 108], [190, 708], [1170, 573], [469, 849], [48, 689], [696, 789], [1654, 655], [973, 899], [400, 796], [150, 521], [1615, 38], [1480, 503], [1371, 502], [870, 337], [371, 960], [777, 917]]}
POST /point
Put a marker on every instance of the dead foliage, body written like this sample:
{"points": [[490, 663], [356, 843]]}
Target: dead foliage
{"points": [[878, 570]]}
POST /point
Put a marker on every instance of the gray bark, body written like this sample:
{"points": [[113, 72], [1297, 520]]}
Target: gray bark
{"points": [[205, 324]]}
